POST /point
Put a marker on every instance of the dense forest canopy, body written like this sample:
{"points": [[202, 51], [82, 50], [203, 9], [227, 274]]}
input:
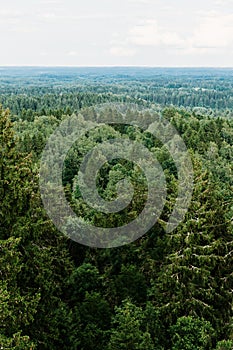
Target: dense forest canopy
{"points": [[166, 290], [40, 89]]}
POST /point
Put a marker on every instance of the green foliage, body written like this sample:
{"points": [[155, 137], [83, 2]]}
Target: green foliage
{"points": [[129, 282], [34, 259], [17, 342], [85, 278], [225, 345], [194, 276], [129, 332], [191, 333], [15, 177], [16, 309], [94, 318], [164, 291]]}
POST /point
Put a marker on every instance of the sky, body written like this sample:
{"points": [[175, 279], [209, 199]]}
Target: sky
{"points": [[164, 33]]}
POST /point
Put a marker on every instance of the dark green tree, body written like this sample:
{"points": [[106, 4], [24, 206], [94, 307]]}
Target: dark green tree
{"points": [[129, 331]]}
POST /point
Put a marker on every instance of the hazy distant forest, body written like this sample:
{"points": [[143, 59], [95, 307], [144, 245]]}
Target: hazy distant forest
{"points": [[168, 291]]}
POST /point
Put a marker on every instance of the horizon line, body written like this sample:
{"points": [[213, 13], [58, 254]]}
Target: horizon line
{"points": [[110, 66]]}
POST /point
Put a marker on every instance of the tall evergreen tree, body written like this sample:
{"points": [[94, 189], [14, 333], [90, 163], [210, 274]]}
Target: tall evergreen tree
{"points": [[129, 331], [196, 277], [35, 277]]}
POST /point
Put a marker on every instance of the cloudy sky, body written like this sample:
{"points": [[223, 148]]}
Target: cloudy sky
{"points": [[117, 32]]}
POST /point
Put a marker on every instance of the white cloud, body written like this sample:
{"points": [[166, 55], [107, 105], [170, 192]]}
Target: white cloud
{"points": [[146, 34], [223, 2], [213, 31], [48, 15], [141, 32], [43, 53], [50, 2], [73, 18], [10, 16], [72, 53], [149, 33], [121, 51], [213, 35], [9, 13], [142, 1]]}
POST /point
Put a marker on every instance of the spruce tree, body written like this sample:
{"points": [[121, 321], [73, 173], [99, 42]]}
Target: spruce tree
{"points": [[195, 278], [34, 279]]}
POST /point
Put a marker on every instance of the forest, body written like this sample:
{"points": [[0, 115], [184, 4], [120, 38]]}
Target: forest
{"points": [[164, 291]]}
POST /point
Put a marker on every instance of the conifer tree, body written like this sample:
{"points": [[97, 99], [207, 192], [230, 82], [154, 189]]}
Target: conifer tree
{"points": [[196, 277], [128, 330], [35, 275]]}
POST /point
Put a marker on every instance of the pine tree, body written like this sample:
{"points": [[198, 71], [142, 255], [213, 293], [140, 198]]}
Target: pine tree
{"points": [[35, 257], [196, 277], [191, 333], [16, 180], [128, 330], [16, 309]]}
